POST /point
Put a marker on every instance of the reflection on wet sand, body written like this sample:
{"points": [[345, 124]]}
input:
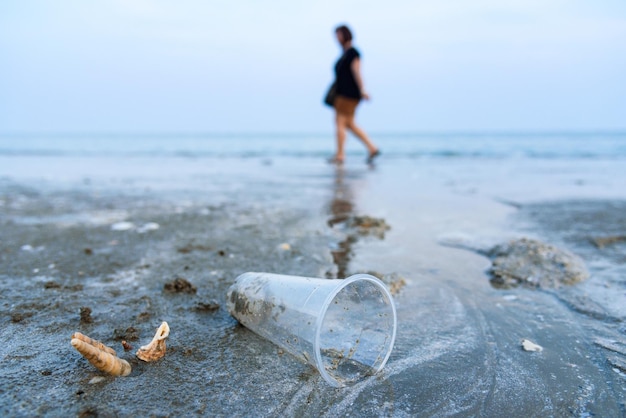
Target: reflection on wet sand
{"points": [[343, 214], [341, 207]]}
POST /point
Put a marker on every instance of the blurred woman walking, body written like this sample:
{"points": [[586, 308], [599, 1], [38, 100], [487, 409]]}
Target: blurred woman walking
{"points": [[349, 91]]}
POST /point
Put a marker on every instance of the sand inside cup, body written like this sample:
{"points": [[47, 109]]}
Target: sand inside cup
{"points": [[356, 330], [345, 328]]}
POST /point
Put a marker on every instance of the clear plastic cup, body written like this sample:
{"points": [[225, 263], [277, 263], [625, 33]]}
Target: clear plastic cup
{"points": [[344, 328]]}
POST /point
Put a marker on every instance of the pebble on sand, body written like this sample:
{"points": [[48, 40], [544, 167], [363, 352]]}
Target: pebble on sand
{"points": [[528, 345]]}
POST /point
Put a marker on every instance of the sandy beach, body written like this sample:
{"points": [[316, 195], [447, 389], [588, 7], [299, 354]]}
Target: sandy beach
{"points": [[90, 244]]}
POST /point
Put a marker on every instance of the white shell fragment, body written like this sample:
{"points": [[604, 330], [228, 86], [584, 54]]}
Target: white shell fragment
{"points": [[122, 226], [156, 348], [150, 226], [528, 345], [29, 248], [97, 379]]}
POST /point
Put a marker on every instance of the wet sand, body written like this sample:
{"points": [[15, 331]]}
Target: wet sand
{"points": [[458, 348]]}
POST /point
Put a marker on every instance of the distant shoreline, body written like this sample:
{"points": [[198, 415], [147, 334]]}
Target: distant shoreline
{"points": [[268, 134]]}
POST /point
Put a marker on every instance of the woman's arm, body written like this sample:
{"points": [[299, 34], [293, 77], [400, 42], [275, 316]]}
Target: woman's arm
{"points": [[356, 71]]}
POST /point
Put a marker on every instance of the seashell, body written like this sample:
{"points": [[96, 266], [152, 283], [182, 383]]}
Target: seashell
{"points": [[102, 357], [150, 226], [156, 349], [95, 343], [528, 345], [122, 226]]}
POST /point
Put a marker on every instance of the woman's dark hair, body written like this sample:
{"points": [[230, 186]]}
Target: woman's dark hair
{"points": [[345, 33]]}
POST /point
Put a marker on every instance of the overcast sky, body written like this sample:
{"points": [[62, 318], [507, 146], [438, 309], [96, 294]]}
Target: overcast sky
{"points": [[263, 66]]}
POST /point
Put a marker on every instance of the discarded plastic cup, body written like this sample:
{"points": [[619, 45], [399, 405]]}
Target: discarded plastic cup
{"points": [[344, 328]]}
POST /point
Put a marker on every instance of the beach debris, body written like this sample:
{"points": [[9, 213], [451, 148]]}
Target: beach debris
{"points": [[367, 225], [126, 345], [211, 306], [156, 348], [85, 315], [143, 316], [150, 226], [122, 226], [102, 357], [535, 264], [97, 379], [285, 246], [355, 227], [51, 285], [29, 248], [193, 247], [88, 251], [179, 285], [363, 225], [528, 345], [20, 316], [129, 334], [394, 281], [17, 317], [606, 241]]}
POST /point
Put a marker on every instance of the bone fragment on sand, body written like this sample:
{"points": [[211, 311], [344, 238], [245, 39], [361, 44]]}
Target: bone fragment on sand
{"points": [[156, 348]]}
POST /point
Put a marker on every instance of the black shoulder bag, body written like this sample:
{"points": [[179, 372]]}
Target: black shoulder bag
{"points": [[329, 100]]}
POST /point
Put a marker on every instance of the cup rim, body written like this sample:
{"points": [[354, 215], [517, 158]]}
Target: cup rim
{"points": [[320, 319]]}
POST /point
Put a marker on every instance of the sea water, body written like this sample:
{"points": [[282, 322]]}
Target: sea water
{"points": [[215, 162], [556, 145]]}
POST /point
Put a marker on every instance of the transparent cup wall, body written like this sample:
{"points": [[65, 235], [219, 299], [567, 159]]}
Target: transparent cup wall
{"points": [[345, 328]]}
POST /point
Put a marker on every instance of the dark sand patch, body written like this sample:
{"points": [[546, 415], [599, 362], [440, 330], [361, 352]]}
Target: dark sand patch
{"points": [[180, 285]]}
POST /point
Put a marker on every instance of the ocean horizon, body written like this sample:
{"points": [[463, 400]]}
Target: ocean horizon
{"points": [[395, 145]]}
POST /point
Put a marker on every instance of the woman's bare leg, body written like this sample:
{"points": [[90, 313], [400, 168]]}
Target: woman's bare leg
{"points": [[360, 133], [341, 122]]}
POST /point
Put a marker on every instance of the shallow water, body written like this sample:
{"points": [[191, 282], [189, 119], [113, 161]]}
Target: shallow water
{"points": [[458, 347]]}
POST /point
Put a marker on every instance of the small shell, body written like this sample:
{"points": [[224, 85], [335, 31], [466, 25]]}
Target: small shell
{"points": [[156, 349], [95, 343], [528, 345], [101, 356]]}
